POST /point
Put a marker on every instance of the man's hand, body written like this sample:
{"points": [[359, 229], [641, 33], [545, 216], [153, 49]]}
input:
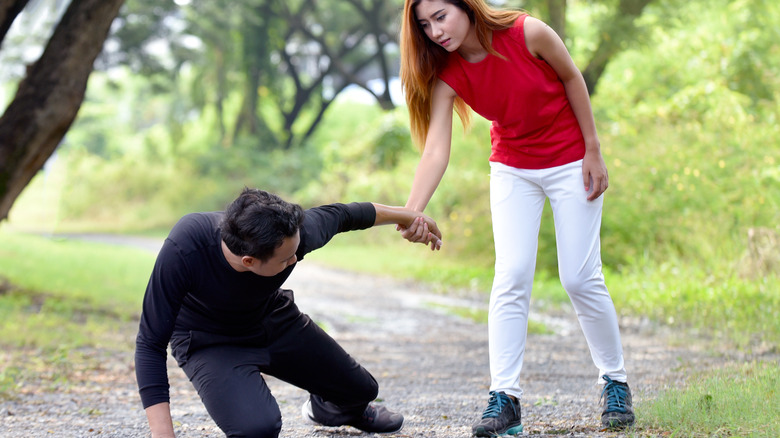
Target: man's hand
{"points": [[422, 230]]}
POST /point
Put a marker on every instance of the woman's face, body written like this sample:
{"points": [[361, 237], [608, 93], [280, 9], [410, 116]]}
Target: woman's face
{"points": [[444, 23]]}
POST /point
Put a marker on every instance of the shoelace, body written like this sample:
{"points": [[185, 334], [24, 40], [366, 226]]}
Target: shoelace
{"points": [[615, 395], [369, 414], [495, 405]]}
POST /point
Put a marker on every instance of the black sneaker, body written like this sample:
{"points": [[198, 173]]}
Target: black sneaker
{"points": [[375, 419], [618, 411], [501, 417]]}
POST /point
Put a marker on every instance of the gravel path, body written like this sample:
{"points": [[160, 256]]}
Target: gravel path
{"points": [[431, 366]]}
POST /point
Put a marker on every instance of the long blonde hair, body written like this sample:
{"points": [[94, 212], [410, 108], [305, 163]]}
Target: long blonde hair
{"points": [[422, 60]]}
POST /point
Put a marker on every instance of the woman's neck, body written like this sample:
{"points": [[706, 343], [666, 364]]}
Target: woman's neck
{"points": [[471, 50]]}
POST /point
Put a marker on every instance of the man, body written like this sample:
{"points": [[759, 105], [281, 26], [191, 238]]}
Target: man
{"points": [[215, 294]]}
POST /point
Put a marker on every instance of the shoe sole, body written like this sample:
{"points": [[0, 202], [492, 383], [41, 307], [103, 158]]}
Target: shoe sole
{"points": [[514, 431], [617, 423], [307, 415], [378, 433]]}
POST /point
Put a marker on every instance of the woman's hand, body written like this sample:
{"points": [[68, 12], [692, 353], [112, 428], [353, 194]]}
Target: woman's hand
{"points": [[422, 230], [415, 226], [594, 174]]}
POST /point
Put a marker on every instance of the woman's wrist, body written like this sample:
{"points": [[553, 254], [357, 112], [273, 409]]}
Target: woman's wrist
{"points": [[592, 145]]}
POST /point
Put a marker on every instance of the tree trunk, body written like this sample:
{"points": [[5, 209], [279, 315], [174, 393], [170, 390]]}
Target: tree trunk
{"points": [[9, 9], [557, 12], [614, 35], [49, 97]]}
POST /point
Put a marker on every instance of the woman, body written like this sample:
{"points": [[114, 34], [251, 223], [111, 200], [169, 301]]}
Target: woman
{"points": [[515, 71]]}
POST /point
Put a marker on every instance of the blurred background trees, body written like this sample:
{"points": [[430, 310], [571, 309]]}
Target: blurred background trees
{"points": [[191, 99], [287, 60]]}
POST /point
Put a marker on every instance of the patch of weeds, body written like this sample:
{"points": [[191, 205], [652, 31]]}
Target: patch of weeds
{"points": [[735, 400], [546, 401], [44, 339], [11, 378], [38, 320], [478, 315], [92, 412], [359, 319]]}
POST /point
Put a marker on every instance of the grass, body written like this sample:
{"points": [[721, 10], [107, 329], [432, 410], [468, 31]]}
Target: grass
{"points": [[60, 293], [735, 401], [739, 312], [76, 274], [59, 297]]}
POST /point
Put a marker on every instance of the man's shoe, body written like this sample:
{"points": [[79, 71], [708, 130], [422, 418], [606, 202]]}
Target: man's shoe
{"points": [[375, 419], [501, 417], [307, 413], [618, 410], [378, 419]]}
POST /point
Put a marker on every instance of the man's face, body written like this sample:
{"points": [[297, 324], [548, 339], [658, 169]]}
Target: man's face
{"points": [[283, 257]]}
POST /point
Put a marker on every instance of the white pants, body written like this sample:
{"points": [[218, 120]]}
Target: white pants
{"points": [[517, 198]]}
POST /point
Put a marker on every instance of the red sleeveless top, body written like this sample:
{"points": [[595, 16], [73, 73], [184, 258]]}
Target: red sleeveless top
{"points": [[534, 126]]}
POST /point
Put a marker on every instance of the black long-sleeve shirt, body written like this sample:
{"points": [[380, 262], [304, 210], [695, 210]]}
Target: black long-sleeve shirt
{"points": [[192, 287]]}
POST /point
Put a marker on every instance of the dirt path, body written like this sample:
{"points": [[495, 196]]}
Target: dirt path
{"points": [[431, 366]]}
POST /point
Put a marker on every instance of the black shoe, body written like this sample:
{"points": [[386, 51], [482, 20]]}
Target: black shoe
{"points": [[375, 419], [501, 417], [378, 419], [618, 411]]}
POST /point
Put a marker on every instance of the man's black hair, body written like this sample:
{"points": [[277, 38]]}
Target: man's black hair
{"points": [[257, 222]]}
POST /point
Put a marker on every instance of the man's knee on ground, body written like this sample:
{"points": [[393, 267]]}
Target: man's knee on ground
{"points": [[256, 428]]}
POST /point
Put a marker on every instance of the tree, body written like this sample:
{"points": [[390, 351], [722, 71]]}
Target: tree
{"points": [[288, 60], [616, 30], [49, 97], [9, 10], [344, 40]]}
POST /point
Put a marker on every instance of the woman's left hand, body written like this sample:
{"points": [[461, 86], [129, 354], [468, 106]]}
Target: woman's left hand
{"points": [[594, 174]]}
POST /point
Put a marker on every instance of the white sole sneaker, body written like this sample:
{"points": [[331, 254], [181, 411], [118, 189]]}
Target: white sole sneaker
{"points": [[307, 413]]}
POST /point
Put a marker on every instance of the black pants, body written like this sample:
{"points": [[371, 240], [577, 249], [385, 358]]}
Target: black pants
{"points": [[226, 373]]}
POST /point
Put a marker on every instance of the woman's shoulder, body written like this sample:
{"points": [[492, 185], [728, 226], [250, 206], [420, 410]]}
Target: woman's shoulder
{"points": [[517, 27], [532, 25], [526, 30]]}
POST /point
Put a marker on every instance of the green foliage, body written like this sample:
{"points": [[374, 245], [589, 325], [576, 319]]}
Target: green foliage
{"points": [[734, 401], [391, 143], [722, 307], [686, 145], [351, 150], [350, 171]]}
